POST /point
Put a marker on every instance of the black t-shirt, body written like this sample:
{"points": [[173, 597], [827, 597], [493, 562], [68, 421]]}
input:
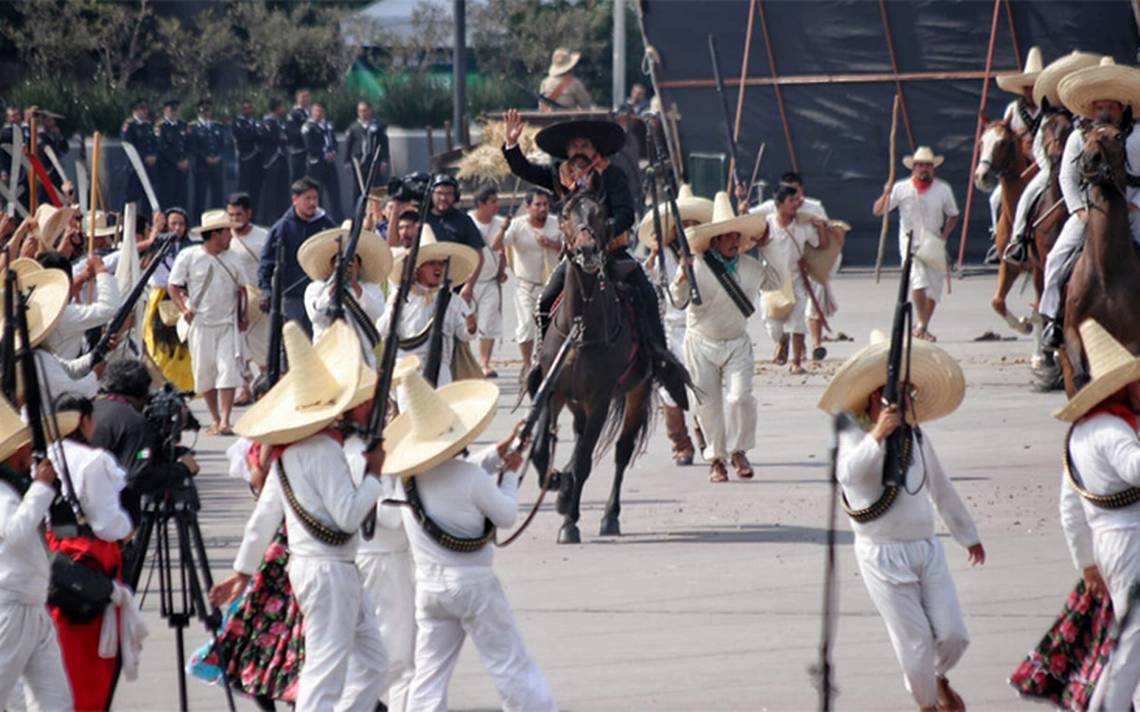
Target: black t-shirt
{"points": [[124, 432], [456, 226]]}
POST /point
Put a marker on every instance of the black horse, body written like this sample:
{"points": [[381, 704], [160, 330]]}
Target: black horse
{"points": [[606, 381]]}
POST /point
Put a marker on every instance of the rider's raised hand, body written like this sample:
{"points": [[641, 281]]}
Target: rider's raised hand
{"points": [[513, 127]]}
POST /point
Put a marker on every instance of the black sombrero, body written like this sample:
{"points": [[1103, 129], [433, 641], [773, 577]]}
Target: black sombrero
{"points": [[608, 138]]}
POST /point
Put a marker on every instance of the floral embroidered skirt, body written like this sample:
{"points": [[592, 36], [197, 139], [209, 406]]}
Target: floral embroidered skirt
{"points": [[262, 638], [1065, 665]]}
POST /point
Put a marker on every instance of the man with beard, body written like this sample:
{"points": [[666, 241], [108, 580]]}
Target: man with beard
{"points": [[247, 141], [361, 140], [298, 115], [274, 143], [320, 156], [173, 157], [205, 141], [926, 206], [138, 131], [247, 245]]}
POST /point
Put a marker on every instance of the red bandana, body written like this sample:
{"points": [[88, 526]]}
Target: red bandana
{"points": [[920, 186], [1118, 409]]}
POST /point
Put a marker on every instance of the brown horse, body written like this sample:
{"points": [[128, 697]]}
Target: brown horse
{"points": [[606, 379], [1005, 160], [1106, 276]]}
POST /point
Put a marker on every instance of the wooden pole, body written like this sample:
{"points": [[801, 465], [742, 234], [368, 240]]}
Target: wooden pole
{"points": [[776, 87], [1013, 34], [895, 71], [33, 146], [890, 181], [978, 135], [93, 204], [743, 83]]}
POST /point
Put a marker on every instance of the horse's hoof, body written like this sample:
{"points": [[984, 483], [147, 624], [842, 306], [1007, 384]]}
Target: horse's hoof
{"points": [[610, 527], [569, 534]]}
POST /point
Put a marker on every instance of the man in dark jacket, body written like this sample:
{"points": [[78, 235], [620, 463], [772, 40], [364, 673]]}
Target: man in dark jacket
{"points": [[205, 141], [298, 115], [173, 157], [247, 142], [139, 132], [298, 224], [273, 193], [579, 149], [359, 143], [450, 224]]}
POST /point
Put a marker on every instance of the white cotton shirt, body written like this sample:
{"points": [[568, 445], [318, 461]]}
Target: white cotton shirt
{"points": [[247, 249], [717, 316], [98, 480], [859, 469], [24, 564], [321, 481], [218, 305], [490, 269], [459, 496], [786, 245], [59, 376], [415, 315], [529, 260], [917, 211], [389, 536], [318, 305], [67, 339]]}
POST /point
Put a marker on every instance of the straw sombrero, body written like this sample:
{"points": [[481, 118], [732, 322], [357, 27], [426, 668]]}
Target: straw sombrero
{"points": [[316, 254], [48, 291], [1113, 367], [936, 377], [214, 220], [924, 154], [562, 60], [1046, 85], [690, 206], [435, 425], [103, 226], [52, 221], [15, 433], [751, 226], [464, 259], [321, 383], [1016, 82], [1109, 80]]}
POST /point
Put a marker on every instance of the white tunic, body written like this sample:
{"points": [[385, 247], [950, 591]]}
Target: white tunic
{"points": [[247, 249], [917, 211], [529, 260], [217, 305], [389, 535], [23, 553], [318, 305], [98, 479], [66, 340], [717, 317], [415, 316], [490, 269]]}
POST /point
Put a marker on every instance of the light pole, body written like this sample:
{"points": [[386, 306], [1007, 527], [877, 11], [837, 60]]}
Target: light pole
{"points": [[619, 53], [459, 70]]}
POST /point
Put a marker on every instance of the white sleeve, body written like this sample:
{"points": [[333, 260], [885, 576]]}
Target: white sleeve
{"points": [[345, 502], [21, 519], [180, 271], [860, 458], [372, 300], [318, 295], [101, 485], [384, 323], [82, 317], [488, 459], [1071, 173], [946, 500], [499, 503], [262, 525], [1078, 534], [896, 197], [949, 205], [1039, 155], [1121, 446], [457, 311]]}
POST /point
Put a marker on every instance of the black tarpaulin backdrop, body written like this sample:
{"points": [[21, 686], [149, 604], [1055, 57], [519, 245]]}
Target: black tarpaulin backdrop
{"points": [[840, 129]]}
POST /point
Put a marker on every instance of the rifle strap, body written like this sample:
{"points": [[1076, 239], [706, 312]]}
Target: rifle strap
{"points": [[316, 528], [360, 318], [883, 504], [437, 533], [731, 286], [1117, 500]]}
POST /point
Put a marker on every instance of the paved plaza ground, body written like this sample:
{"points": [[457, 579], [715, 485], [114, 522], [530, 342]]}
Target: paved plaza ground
{"points": [[711, 600]]}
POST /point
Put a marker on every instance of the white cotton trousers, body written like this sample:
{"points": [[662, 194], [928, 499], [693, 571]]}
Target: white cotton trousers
{"points": [[488, 309], [389, 579], [995, 206], [722, 378], [796, 321], [675, 340], [257, 343], [910, 585], [453, 603], [345, 666], [1035, 188], [1117, 554], [215, 357], [924, 277], [1070, 239], [527, 296], [29, 648]]}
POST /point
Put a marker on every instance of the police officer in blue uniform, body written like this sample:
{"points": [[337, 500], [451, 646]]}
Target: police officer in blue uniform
{"points": [[173, 157], [140, 133], [273, 195], [247, 140], [320, 158], [298, 115], [360, 141], [205, 141]]}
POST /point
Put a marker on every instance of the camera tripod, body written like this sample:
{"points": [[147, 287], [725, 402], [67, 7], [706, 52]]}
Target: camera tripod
{"points": [[182, 600]]}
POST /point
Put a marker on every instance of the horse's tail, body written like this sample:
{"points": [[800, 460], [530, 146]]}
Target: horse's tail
{"points": [[616, 419]]}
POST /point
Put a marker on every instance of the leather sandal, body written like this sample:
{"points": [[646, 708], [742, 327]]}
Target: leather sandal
{"points": [[781, 356], [742, 466], [948, 699], [718, 472]]}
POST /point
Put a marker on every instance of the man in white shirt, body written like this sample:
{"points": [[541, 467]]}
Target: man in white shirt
{"points": [[310, 486], [927, 208], [455, 508], [531, 245], [489, 286], [901, 561], [68, 339], [1100, 500], [204, 284], [29, 648], [247, 245]]}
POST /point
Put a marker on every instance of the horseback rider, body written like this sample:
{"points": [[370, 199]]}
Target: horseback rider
{"points": [[1105, 94], [579, 149], [1042, 86]]}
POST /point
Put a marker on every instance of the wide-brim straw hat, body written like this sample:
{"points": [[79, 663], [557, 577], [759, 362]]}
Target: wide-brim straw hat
{"points": [[15, 433], [435, 425], [52, 221], [1113, 367], [937, 379], [1108, 80], [608, 138], [724, 220], [321, 383], [1017, 82], [316, 254], [48, 292], [214, 220], [103, 228], [924, 154], [464, 259], [562, 60], [690, 206], [1046, 85]]}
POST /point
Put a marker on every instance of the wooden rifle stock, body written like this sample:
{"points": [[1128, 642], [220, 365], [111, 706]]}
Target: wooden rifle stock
{"points": [[435, 339], [276, 314], [132, 298], [894, 465]]}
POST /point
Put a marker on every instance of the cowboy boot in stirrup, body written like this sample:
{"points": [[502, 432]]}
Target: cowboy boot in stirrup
{"points": [[678, 435]]}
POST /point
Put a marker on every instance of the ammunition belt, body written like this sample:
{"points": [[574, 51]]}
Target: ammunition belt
{"points": [[318, 529], [876, 510], [1117, 500], [436, 532]]}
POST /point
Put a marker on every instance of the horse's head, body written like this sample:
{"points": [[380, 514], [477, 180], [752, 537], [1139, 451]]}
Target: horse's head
{"points": [[585, 230], [997, 155], [1102, 159], [1055, 130]]}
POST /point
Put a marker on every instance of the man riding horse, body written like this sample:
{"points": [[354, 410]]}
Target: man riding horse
{"points": [[579, 149]]}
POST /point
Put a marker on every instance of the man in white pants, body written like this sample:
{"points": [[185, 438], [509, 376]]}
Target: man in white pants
{"points": [[311, 487], [1100, 500], [489, 287], [718, 350], [455, 506], [900, 559], [1100, 94], [247, 245], [204, 283], [926, 206], [531, 245]]}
